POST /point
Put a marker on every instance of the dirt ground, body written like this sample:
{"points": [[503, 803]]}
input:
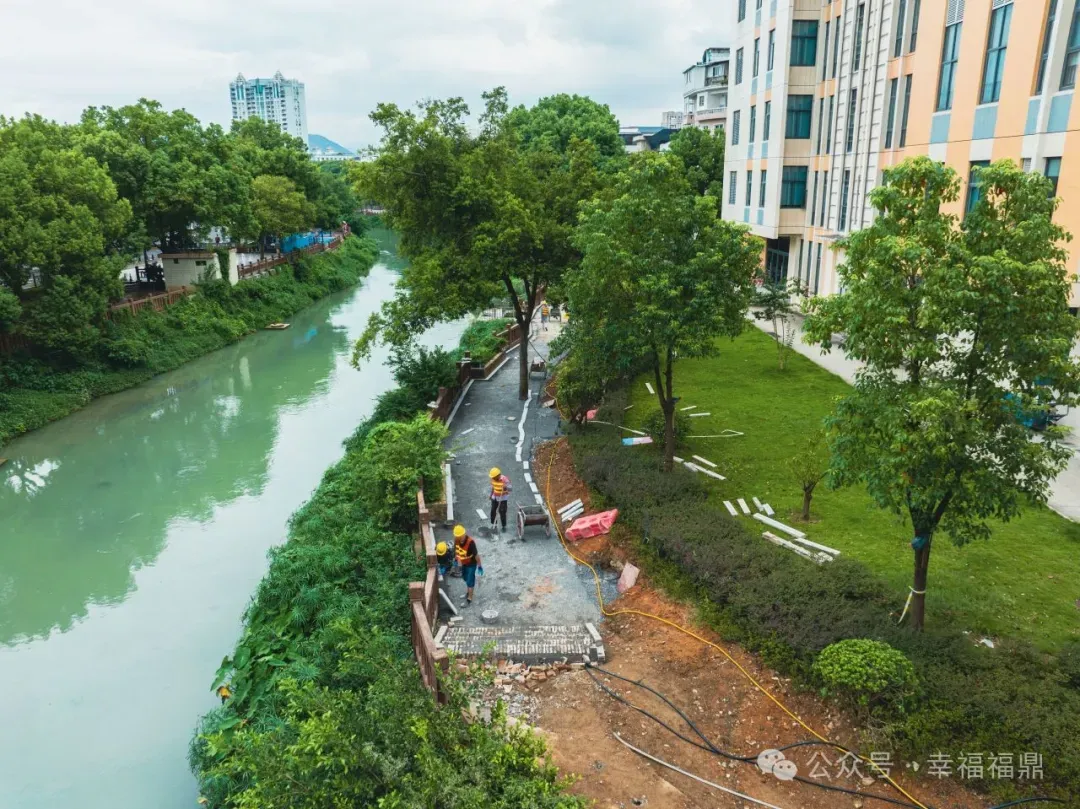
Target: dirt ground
{"points": [[580, 720]]}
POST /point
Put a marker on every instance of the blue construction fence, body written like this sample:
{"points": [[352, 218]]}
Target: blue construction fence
{"points": [[298, 241]]}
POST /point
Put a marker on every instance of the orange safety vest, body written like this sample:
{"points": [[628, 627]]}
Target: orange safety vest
{"points": [[500, 488], [466, 551], [545, 311]]}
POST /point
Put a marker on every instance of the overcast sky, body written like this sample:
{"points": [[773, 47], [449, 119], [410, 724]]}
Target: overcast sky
{"points": [[60, 56]]}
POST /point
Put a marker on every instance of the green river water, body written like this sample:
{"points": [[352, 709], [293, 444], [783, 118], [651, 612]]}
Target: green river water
{"points": [[132, 535]]}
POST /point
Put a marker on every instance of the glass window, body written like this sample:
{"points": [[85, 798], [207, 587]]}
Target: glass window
{"points": [[753, 122], [898, 45], [804, 43], [742, 10], [733, 179], [735, 121], [757, 55], [844, 189], [836, 47], [761, 189], [758, 4], [825, 61], [1052, 172], [950, 53], [820, 125], [856, 58], [800, 109], [996, 41], [851, 112], [738, 65], [824, 197], [907, 107], [1072, 53], [772, 49], [749, 185], [767, 122], [1044, 56], [974, 193], [914, 26], [817, 268], [813, 199], [793, 187], [828, 127], [894, 88]]}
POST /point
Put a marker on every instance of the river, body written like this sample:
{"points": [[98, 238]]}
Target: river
{"points": [[132, 536]]}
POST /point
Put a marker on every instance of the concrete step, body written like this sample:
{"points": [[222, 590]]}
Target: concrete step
{"points": [[525, 644]]}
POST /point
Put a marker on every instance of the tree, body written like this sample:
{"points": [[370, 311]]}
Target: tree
{"points": [[480, 216], [808, 467], [958, 328], [775, 302], [557, 120], [279, 208], [661, 277], [336, 202], [702, 153], [10, 309]]}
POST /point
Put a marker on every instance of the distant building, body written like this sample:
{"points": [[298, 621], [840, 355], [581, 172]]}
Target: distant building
{"points": [[278, 99], [324, 150], [672, 119], [645, 138], [705, 90]]}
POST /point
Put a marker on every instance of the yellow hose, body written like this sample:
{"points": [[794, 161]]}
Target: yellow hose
{"points": [[612, 613]]}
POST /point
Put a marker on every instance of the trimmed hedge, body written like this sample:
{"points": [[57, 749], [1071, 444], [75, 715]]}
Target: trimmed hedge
{"points": [[970, 698]]}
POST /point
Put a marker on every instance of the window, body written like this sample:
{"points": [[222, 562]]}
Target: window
{"points": [[758, 4], [1051, 172], [974, 193], [1025, 165], [898, 45], [894, 88], [813, 199], [742, 10], [836, 47], [767, 122], [828, 127], [736, 119], [907, 106], [844, 189], [817, 268], [994, 67], [753, 121], [772, 49], [825, 61], [1045, 54], [757, 55], [824, 196], [804, 43], [849, 141], [856, 58], [914, 26], [733, 181], [800, 108], [793, 187], [749, 185], [761, 189], [950, 52], [738, 65], [1072, 53], [820, 125]]}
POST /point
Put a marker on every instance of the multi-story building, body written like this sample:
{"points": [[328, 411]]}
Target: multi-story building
{"points": [[824, 98], [278, 99], [705, 90], [671, 119]]}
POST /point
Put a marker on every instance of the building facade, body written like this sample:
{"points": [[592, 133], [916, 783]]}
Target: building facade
{"points": [[705, 90], [278, 99], [826, 96]]}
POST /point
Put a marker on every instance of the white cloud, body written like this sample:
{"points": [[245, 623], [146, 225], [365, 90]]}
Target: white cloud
{"points": [[62, 56]]}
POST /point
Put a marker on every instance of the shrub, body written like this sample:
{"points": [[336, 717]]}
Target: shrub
{"points": [[1069, 662], [868, 671], [395, 458], [655, 425], [481, 341]]}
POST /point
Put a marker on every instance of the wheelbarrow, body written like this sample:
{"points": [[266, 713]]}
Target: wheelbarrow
{"points": [[538, 366], [532, 515]]}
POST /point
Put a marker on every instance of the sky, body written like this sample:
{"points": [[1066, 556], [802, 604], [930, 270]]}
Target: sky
{"points": [[60, 56]]}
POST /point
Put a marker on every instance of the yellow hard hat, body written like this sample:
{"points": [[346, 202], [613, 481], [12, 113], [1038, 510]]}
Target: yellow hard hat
{"points": [[440, 548], [495, 472], [459, 531]]}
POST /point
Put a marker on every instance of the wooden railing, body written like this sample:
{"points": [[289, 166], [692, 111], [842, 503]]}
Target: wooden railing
{"points": [[264, 266], [424, 606], [155, 302]]}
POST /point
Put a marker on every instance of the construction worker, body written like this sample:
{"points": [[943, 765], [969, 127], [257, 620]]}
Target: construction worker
{"points": [[444, 558], [500, 496], [545, 313], [224, 692], [469, 559]]}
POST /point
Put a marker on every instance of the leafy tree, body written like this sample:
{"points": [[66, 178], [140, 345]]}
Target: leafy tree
{"points": [[555, 121], [662, 276], [10, 309], [336, 202], [957, 329], [775, 302], [479, 215], [808, 467], [279, 208], [702, 153]]}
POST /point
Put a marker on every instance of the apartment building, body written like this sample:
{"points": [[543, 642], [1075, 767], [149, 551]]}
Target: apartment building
{"points": [[825, 97], [277, 99], [705, 90]]}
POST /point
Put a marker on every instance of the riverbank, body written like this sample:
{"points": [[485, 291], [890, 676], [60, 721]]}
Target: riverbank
{"points": [[135, 349]]}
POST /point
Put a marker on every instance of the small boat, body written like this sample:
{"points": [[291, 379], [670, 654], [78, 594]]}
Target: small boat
{"points": [[278, 326]]}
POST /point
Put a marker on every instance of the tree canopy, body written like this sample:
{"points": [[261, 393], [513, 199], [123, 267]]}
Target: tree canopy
{"points": [[702, 153], [963, 329], [557, 120]]}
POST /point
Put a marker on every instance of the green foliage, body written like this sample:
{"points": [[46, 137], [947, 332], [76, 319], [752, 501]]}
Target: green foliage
{"points": [[868, 671], [557, 120], [10, 309], [809, 466], [702, 155], [396, 458], [480, 340], [278, 207], [1069, 661], [656, 423], [948, 319], [777, 302]]}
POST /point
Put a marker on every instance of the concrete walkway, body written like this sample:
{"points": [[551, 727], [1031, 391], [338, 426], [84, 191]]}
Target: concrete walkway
{"points": [[531, 583], [1064, 491]]}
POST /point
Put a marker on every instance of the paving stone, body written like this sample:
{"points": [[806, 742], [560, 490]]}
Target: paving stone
{"points": [[530, 644]]}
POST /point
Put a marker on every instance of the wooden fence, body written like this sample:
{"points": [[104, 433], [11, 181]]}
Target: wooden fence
{"points": [[443, 405], [258, 268], [424, 605], [155, 302]]}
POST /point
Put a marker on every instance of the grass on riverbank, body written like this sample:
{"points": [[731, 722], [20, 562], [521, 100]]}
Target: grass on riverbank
{"points": [[135, 348], [1020, 583]]}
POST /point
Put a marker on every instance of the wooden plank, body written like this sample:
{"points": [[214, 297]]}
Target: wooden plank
{"points": [[570, 505], [757, 504], [649, 387], [745, 508], [767, 509], [825, 548], [783, 543], [699, 415], [704, 461], [731, 508], [688, 407], [787, 529]]}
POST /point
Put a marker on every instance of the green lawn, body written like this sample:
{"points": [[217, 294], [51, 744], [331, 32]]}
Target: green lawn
{"points": [[1024, 581]]}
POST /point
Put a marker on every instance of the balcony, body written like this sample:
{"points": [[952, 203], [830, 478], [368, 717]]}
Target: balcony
{"points": [[716, 81]]}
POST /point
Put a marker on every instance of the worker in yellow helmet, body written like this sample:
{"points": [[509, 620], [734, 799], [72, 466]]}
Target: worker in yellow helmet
{"points": [[444, 558], [224, 692], [500, 497], [545, 313], [469, 559]]}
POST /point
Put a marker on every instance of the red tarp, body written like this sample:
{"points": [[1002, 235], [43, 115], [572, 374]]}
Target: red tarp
{"points": [[592, 526]]}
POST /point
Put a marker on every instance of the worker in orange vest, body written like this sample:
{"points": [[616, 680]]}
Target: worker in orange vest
{"points": [[545, 313], [468, 558], [500, 497]]}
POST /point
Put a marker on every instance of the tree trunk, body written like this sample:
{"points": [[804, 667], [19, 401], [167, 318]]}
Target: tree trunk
{"points": [[807, 494], [523, 364], [918, 598]]}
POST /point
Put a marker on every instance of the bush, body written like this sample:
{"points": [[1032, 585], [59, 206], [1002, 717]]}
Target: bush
{"points": [[655, 426], [1069, 662], [481, 341], [867, 671]]}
